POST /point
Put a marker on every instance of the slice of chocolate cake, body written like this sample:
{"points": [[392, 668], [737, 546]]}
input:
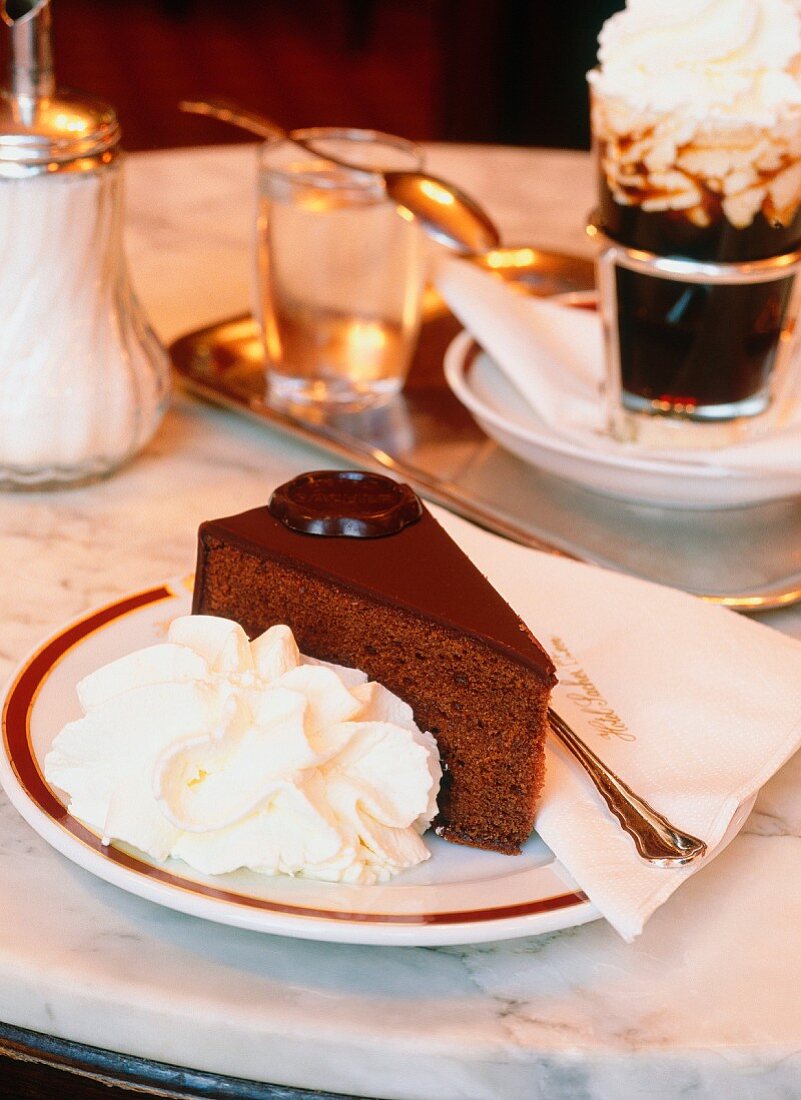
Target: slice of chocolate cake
{"points": [[366, 577]]}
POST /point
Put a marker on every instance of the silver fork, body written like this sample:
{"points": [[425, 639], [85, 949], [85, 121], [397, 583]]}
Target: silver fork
{"points": [[656, 840]]}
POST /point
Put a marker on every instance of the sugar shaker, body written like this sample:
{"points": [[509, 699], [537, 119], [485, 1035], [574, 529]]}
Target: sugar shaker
{"points": [[83, 379]]}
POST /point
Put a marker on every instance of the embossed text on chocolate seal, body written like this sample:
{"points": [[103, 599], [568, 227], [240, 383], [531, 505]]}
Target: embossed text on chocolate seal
{"points": [[349, 503]]}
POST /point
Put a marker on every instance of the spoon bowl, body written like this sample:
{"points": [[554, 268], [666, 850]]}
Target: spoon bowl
{"points": [[444, 211]]}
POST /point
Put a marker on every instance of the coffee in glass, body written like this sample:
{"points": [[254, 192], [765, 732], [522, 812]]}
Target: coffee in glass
{"points": [[696, 117]]}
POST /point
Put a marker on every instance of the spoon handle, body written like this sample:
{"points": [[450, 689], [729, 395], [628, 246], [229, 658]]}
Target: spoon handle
{"points": [[656, 840], [226, 110]]}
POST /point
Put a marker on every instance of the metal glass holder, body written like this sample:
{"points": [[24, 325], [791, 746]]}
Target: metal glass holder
{"points": [[658, 424]]}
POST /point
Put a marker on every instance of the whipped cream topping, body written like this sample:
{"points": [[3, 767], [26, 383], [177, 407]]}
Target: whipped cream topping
{"points": [[696, 106], [735, 58], [227, 753]]}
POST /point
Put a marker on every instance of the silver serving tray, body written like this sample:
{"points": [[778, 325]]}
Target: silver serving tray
{"points": [[746, 558]]}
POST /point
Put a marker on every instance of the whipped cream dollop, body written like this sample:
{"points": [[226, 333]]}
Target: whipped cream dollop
{"points": [[696, 107], [736, 58], [230, 754]]}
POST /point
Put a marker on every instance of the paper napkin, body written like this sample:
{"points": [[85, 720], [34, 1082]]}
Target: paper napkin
{"points": [[553, 354], [694, 706]]}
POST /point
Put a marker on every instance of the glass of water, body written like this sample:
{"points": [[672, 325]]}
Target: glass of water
{"points": [[340, 270]]}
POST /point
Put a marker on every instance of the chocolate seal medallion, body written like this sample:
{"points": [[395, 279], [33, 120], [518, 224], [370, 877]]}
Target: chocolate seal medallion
{"points": [[349, 503]]}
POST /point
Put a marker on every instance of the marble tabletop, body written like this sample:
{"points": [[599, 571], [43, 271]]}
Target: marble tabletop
{"points": [[705, 1003]]}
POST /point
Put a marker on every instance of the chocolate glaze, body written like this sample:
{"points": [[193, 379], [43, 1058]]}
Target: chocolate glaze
{"points": [[418, 567]]}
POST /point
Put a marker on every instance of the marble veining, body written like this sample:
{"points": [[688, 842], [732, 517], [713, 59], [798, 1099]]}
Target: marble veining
{"points": [[704, 1004]]}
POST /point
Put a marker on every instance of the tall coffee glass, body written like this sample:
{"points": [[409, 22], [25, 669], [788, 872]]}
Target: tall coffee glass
{"points": [[700, 217]]}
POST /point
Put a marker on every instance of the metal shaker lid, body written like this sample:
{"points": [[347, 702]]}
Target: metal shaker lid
{"points": [[44, 129]]}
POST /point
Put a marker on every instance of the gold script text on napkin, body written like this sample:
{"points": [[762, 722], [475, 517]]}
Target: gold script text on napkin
{"points": [[586, 695]]}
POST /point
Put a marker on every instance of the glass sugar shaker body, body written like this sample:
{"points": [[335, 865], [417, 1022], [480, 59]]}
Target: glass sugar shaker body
{"points": [[83, 379]]}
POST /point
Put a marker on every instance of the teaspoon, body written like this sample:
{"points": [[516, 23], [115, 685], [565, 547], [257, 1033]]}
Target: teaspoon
{"points": [[445, 212], [656, 840]]}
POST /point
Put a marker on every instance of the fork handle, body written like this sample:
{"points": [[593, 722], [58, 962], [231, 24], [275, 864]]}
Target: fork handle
{"points": [[656, 840]]}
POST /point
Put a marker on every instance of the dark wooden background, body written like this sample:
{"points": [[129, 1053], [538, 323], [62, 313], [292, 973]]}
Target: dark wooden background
{"points": [[474, 70]]}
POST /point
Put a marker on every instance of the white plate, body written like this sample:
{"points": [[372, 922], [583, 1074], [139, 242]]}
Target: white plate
{"points": [[497, 406], [460, 895]]}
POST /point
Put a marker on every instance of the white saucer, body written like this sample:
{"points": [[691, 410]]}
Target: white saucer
{"points": [[483, 388]]}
